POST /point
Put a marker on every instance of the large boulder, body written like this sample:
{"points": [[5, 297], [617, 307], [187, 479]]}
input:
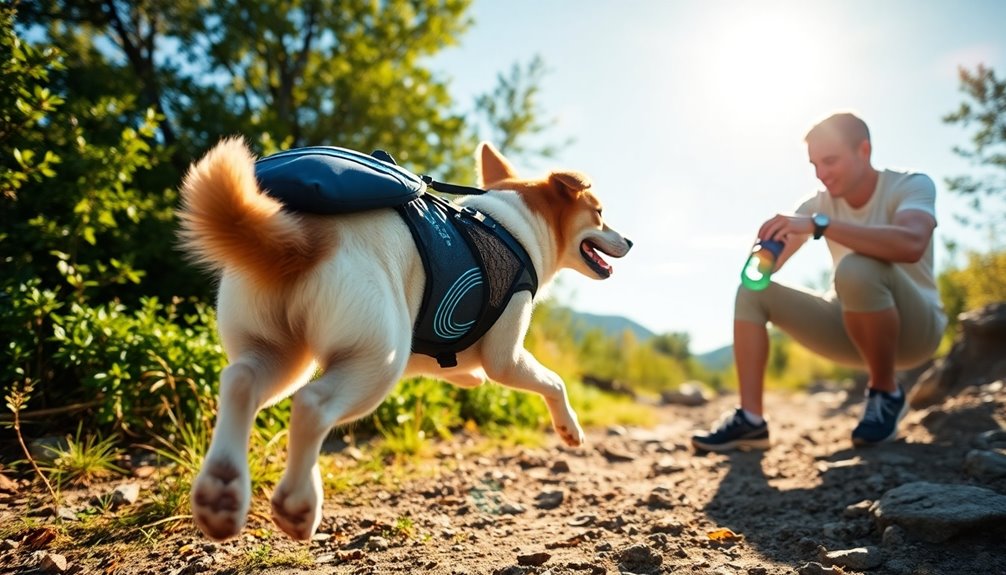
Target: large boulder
{"points": [[977, 357], [936, 512]]}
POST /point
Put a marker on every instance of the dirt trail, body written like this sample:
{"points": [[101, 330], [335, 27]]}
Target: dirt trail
{"points": [[631, 501]]}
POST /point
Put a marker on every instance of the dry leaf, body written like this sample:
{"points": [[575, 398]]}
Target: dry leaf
{"points": [[723, 535]]}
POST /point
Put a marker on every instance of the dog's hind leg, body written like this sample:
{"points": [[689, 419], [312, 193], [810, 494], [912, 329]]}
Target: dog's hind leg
{"points": [[221, 493], [348, 389]]}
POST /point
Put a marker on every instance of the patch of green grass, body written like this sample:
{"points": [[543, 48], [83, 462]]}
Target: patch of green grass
{"points": [[263, 556], [85, 458], [596, 408]]}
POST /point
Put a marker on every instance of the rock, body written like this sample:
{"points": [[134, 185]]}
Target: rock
{"points": [[936, 512], [378, 543], [549, 499], [616, 455], [667, 465], [667, 525], [560, 466], [9, 545], [660, 498], [976, 357], [534, 559], [45, 449], [8, 485], [985, 465], [893, 537], [511, 508], [53, 563], [858, 559], [861, 509], [609, 385], [689, 393], [66, 514], [991, 439], [125, 494], [638, 557]]}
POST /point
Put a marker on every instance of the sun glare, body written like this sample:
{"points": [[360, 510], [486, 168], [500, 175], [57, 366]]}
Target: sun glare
{"points": [[765, 63]]}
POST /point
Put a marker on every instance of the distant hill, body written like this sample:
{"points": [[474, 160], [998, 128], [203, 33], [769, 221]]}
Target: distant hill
{"points": [[717, 359], [610, 325], [615, 326]]}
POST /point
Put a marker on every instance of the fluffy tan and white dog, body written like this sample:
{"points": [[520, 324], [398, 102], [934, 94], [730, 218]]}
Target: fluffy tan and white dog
{"points": [[299, 291]]}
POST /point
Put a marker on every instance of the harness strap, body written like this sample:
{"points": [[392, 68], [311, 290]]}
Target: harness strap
{"points": [[453, 189]]}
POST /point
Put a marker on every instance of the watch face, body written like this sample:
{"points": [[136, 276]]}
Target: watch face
{"points": [[820, 219]]}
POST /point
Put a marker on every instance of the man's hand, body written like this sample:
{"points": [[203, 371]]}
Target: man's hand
{"points": [[791, 230], [781, 227]]}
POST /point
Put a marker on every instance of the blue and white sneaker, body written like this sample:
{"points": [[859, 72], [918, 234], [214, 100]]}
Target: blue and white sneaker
{"points": [[733, 431], [880, 417]]}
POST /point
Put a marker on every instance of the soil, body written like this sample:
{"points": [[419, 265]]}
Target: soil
{"points": [[630, 501]]}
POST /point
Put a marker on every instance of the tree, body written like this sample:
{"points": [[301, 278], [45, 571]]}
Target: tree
{"points": [[512, 112], [285, 73], [984, 106]]}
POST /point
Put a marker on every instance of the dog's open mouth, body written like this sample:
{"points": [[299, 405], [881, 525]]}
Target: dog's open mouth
{"points": [[589, 251]]}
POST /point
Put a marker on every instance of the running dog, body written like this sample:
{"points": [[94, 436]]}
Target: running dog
{"points": [[342, 292]]}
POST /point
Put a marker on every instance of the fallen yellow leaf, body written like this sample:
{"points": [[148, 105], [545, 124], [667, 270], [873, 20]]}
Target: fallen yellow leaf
{"points": [[723, 535]]}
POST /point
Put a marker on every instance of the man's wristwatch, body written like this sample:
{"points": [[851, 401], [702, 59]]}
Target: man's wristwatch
{"points": [[821, 222]]}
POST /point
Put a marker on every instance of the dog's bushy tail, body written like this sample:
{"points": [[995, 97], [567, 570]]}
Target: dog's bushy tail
{"points": [[228, 223]]}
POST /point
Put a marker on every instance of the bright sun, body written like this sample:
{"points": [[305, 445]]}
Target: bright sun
{"points": [[768, 61]]}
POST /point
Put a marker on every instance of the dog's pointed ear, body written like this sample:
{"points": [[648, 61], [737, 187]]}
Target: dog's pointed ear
{"points": [[572, 182], [491, 166]]}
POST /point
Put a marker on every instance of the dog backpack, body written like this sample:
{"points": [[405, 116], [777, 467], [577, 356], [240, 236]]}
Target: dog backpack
{"points": [[473, 264]]}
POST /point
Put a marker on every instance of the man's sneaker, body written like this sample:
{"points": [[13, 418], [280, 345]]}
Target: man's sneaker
{"points": [[880, 417], [734, 431]]}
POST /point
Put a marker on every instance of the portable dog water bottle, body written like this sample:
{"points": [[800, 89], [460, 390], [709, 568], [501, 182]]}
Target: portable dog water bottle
{"points": [[757, 272]]}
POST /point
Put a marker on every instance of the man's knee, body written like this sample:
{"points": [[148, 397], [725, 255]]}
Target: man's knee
{"points": [[748, 306], [863, 283]]}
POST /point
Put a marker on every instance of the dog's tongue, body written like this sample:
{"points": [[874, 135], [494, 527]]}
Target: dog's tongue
{"points": [[589, 249]]}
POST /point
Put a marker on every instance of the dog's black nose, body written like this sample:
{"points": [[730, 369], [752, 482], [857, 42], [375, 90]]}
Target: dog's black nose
{"points": [[628, 241]]}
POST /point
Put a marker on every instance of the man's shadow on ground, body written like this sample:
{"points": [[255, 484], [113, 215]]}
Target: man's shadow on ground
{"points": [[786, 524]]}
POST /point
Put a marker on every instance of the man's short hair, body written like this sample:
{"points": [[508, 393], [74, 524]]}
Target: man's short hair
{"points": [[843, 125]]}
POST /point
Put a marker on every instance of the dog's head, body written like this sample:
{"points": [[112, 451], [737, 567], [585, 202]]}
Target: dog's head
{"points": [[566, 203]]}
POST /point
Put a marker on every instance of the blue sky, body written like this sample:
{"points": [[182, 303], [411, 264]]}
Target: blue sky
{"points": [[689, 117]]}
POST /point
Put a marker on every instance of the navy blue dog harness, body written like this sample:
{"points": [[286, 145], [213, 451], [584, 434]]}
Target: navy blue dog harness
{"points": [[473, 264]]}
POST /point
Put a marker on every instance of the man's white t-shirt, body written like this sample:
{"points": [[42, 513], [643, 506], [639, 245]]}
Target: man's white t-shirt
{"points": [[895, 192]]}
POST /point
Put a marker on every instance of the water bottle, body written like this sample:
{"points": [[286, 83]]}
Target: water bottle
{"points": [[757, 272]]}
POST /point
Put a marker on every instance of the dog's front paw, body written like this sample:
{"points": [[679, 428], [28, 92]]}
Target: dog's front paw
{"points": [[572, 435], [296, 509], [220, 498]]}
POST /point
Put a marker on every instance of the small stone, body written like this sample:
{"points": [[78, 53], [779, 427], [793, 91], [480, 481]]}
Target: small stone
{"points": [[8, 485], [560, 466], [660, 498], [616, 455], [858, 559], [144, 471], [511, 508], [667, 525], [534, 559], [617, 431], [666, 466], [66, 514], [861, 509], [53, 563], [377, 543], [549, 499], [985, 465], [9, 545], [640, 557], [125, 494], [894, 537]]}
